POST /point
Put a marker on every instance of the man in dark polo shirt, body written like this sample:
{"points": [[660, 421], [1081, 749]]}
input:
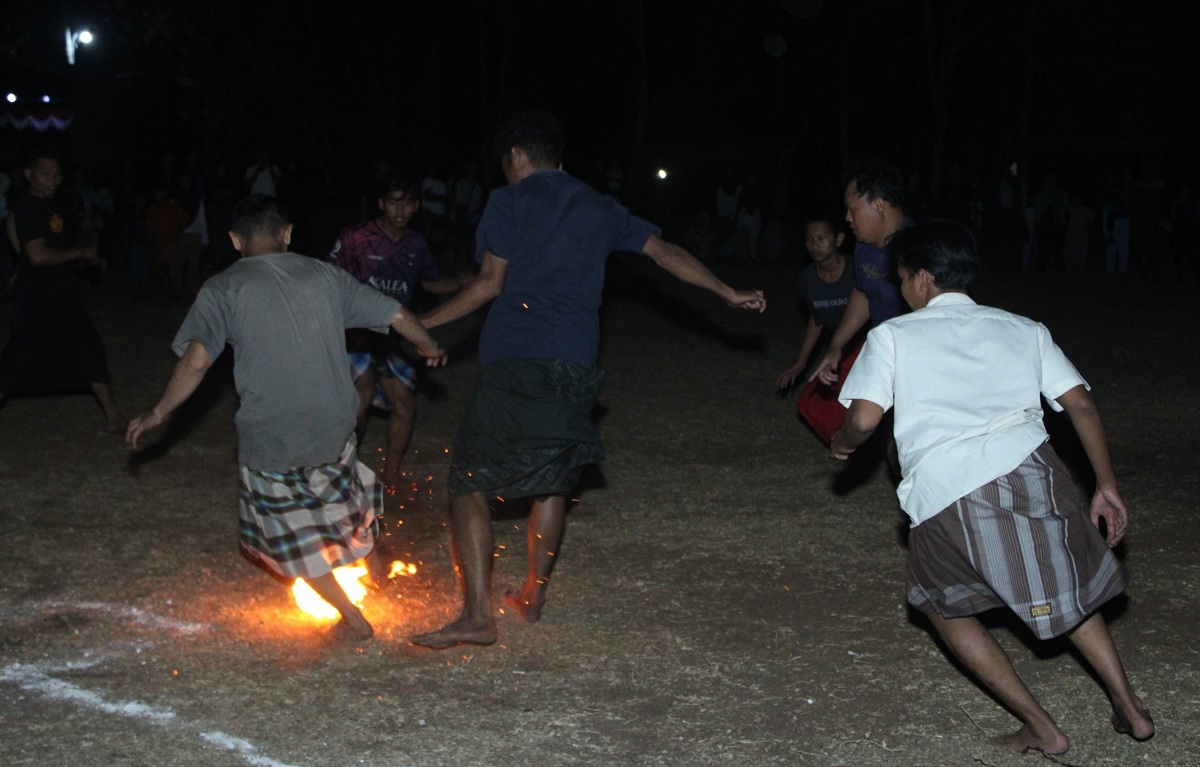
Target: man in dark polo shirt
{"points": [[544, 240]]}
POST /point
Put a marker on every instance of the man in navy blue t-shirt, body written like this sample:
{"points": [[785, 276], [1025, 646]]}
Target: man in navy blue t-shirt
{"points": [[875, 211], [543, 242]]}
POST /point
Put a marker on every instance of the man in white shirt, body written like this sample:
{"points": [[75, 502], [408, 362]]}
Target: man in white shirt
{"points": [[996, 519]]}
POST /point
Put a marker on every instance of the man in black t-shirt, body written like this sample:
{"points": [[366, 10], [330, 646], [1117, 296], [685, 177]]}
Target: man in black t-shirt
{"points": [[52, 345]]}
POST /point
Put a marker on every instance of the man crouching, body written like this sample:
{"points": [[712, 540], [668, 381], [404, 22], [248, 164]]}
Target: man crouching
{"points": [[996, 519]]}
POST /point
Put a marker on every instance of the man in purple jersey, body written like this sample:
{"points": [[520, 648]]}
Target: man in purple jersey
{"points": [[385, 254]]}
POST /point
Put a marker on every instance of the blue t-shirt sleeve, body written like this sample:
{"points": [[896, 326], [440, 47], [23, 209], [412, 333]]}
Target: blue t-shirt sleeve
{"points": [[497, 226], [632, 232]]}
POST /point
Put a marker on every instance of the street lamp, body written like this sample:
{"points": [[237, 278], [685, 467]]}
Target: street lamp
{"points": [[74, 39]]}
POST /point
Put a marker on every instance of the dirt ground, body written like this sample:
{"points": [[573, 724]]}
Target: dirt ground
{"points": [[722, 598]]}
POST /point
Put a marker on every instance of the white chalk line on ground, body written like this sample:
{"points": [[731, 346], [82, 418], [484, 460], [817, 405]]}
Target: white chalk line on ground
{"points": [[136, 614], [37, 678]]}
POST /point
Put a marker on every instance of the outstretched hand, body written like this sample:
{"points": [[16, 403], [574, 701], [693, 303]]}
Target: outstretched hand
{"points": [[1107, 505], [435, 357], [141, 424], [788, 377], [748, 299], [827, 368]]}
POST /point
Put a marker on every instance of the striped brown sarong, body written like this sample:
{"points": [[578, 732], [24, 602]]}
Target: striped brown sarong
{"points": [[304, 522], [1025, 541]]}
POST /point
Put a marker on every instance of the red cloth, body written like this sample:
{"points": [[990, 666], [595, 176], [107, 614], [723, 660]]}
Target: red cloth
{"points": [[817, 403]]}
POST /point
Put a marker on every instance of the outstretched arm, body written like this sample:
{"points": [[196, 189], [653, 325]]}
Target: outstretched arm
{"points": [[188, 374], [443, 285], [408, 326], [862, 419], [858, 311], [811, 334], [485, 287], [688, 268], [1106, 503]]}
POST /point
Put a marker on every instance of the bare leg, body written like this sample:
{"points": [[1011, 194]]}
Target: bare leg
{"points": [[1094, 642], [546, 523], [377, 568], [978, 650], [472, 523], [113, 422], [365, 386], [400, 429], [353, 625]]}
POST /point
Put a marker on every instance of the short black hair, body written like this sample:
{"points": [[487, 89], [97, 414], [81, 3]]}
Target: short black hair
{"points": [[43, 152], [945, 249], [260, 215], [833, 220], [878, 180], [536, 132], [400, 181]]}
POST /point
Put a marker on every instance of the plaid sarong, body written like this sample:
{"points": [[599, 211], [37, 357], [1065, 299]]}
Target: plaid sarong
{"points": [[528, 430], [1025, 541], [304, 522]]}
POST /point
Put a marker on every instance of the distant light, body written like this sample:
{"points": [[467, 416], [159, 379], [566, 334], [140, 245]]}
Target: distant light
{"points": [[74, 40], [45, 99], [11, 98], [662, 173]]}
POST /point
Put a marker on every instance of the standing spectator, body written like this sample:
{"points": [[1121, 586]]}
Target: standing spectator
{"points": [[52, 344], [7, 259], [467, 196], [263, 176], [1077, 241], [166, 219], [1051, 208], [1148, 210], [1185, 233], [435, 196]]}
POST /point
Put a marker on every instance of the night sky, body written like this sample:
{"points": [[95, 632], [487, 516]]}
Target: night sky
{"points": [[790, 91]]}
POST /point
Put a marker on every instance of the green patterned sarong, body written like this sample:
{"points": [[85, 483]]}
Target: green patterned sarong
{"points": [[528, 430]]}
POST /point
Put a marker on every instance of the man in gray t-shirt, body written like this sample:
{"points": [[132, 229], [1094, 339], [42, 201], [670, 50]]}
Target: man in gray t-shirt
{"points": [[285, 316]]}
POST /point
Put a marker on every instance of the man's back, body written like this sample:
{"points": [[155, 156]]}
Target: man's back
{"points": [[967, 383], [556, 234], [284, 315]]}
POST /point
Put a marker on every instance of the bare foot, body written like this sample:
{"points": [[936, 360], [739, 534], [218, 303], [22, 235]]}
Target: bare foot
{"points": [[1025, 740], [462, 631], [114, 423], [527, 602], [351, 630], [1139, 726]]}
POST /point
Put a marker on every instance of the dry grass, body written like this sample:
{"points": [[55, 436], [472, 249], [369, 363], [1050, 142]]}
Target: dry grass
{"points": [[716, 602]]}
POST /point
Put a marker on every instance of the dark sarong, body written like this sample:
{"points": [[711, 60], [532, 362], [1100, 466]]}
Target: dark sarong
{"points": [[1025, 541], [528, 430], [52, 344], [305, 522]]}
